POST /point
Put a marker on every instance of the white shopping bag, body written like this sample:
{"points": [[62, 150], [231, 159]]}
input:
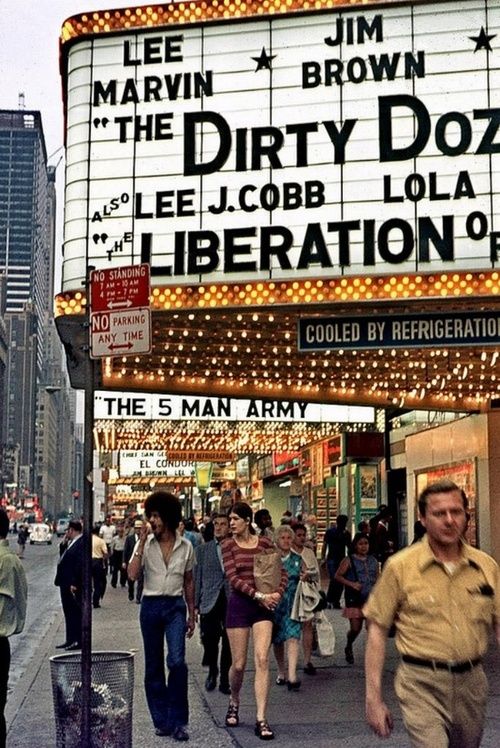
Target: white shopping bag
{"points": [[326, 636]]}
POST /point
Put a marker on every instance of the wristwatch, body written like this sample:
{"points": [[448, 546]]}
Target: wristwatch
{"points": [[259, 596]]}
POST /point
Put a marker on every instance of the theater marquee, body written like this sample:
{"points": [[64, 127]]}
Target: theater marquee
{"points": [[320, 144], [151, 406]]}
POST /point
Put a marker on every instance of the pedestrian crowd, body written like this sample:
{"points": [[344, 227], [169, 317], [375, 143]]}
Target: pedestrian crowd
{"points": [[238, 578]]}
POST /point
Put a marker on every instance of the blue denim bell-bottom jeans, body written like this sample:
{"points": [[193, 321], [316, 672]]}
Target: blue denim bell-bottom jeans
{"points": [[162, 619]]}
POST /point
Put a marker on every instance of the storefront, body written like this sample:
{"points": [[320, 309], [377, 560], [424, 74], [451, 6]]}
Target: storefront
{"points": [[466, 451], [343, 476]]}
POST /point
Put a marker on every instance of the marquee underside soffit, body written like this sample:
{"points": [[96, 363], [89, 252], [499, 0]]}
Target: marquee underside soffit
{"points": [[234, 437], [148, 482], [253, 353]]}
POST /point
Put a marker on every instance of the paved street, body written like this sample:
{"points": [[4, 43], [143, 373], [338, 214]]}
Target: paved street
{"points": [[327, 711]]}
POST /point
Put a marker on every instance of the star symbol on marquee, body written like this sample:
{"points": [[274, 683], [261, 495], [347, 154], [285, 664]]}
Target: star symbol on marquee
{"points": [[263, 61], [483, 40]]}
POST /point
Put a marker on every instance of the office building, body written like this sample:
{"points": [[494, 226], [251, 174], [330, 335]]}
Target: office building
{"points": [[25, 211], [37, 427]]}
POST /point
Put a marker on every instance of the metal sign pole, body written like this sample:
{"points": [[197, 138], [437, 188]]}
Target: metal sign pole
{"points": [[103, 297], [88, 519]]}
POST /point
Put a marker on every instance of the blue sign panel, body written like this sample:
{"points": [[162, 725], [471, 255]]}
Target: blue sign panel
{"points": [[434, 330]]}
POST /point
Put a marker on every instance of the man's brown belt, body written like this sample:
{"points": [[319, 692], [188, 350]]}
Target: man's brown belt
{"points": [[452, 667]]}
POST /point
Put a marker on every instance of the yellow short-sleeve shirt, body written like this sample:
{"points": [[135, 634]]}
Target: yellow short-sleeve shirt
{"points": [[439, 615], [99, 547]]}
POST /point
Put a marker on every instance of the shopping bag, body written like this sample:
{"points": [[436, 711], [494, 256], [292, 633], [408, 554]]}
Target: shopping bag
{"points": [[326, 636], [267, 571]]}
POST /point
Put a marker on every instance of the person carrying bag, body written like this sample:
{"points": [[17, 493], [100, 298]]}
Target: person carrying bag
{"points": [[267, 571], [358, 572], [250, 610]]}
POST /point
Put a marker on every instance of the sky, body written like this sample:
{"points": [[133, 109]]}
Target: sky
{"points": [[29, 63], [29, 56]]}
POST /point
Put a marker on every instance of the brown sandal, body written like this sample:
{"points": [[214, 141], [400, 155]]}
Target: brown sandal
{"points": [[232, 716], [263, 731]]}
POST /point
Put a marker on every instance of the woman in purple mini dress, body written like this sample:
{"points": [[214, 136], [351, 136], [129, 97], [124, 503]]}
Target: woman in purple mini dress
{"points": [[248, 610]]}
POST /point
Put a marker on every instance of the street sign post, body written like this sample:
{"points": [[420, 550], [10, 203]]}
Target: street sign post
{"points": [[119, 320], [120, 317]]}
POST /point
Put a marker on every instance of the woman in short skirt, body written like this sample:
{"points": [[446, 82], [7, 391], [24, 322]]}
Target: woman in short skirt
{"points": [[248, 610]]}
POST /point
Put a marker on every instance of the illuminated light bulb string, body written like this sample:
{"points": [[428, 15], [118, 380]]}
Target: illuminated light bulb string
{"points": [[237, 437], [195, 11], [381, 288], [242, 341]]}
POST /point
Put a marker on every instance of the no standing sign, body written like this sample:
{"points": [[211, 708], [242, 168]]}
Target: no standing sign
{"points": [[120, 317]]}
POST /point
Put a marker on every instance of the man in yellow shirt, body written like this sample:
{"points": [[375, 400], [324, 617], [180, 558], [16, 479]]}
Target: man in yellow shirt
{"points": [[444, 597], [13, 598]]}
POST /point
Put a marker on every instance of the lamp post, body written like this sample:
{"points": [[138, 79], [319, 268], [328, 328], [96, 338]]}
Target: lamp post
{"points": [[88, 519], [203, 474]]}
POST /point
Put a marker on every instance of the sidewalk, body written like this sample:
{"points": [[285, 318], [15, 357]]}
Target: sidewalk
{"points": [[327, 711]]}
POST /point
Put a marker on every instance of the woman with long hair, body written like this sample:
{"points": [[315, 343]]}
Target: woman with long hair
{"points": [[358, 572], [287, 633], [248, 610]]}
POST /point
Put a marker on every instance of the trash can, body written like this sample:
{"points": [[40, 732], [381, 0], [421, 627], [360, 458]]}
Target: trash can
{"points": [[111, 699]]}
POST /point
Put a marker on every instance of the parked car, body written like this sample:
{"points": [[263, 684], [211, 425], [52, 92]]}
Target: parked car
{"points": [[40, 533], [61, 526]]}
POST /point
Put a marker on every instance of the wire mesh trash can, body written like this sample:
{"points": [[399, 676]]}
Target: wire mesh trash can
{"points": [[111, 698]]}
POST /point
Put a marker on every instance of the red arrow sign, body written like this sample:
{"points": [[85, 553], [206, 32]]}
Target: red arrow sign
{"points": [[126, 287]]}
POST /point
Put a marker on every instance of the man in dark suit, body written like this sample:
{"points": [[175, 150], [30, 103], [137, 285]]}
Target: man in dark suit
{"points": [[69, 580], [211, 594], [335, 544], [128, 549]]}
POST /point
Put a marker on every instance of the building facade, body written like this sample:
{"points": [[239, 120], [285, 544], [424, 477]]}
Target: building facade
{"points": [[25, 210], [37, 425], [55, 438], [21, 391], [4, 474]]}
